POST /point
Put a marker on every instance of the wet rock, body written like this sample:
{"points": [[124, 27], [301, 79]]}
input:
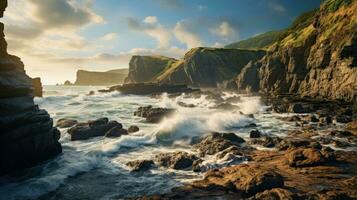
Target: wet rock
{"points": [[66, 123], [176, 160], [140, 165], [245, 179], [182, 104], [151, 88], [225, 106], [254, 134], [275, 194], [153, 115], [94, 128], [266, 141], [311, 118], [116, 132], [341, 134], [91, 93], [299, 108], [343, 118], [233, 150], [302, 157], [293, 118], [328, 120], [133, 129], [296, 143], [352, 125], [216, 142]]}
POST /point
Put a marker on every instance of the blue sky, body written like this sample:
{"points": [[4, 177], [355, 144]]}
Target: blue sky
{"points": [[55, 38]]}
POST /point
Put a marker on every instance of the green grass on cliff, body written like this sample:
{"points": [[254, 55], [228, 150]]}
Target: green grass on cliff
{"points": [[334, 5], [257, 42]]}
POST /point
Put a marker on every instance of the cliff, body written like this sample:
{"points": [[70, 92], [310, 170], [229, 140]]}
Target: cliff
{"points": [[201, 67], [260, 41], [147, 68], [27, 135], [316, 57], [37, 87], [112, 77]]}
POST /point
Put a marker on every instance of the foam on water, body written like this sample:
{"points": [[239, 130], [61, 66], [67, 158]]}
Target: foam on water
{"points": [[110, 155]]}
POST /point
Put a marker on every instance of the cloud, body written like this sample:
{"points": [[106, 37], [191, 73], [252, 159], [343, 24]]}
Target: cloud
{"points": [[185, 35], [63, 14], [151, 27], [109, 36], [22, 32], [151, 20], [224, 29]]}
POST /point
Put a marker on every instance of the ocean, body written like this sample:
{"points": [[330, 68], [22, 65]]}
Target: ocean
{"points": [[95, 168]]}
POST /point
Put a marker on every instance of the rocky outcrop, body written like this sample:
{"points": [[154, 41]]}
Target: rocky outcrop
{"points": [[154, 115], [209, 67], [27, 135], [317, 57], [112, 77], [37, 85], [149, 88], [147, 68]]}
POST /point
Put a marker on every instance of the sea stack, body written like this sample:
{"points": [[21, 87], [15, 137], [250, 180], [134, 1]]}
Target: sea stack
{"points": [[27, 135]]}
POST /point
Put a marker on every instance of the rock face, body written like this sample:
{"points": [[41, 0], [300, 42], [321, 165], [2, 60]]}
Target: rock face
{"points": [[209, 67], [154, 115], [316, 57], [112, 77], [27, 134], [37, 85], [147, 68]]}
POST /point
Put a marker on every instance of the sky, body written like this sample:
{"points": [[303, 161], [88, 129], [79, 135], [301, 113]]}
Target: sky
{"points": [[55, 38]]}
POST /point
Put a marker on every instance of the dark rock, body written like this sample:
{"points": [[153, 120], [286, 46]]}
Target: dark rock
{"points": [[217, 142], [27, 135], [343, 118], [176, 160], [66, 123], [275, 194], [266, 141], [299, 108], [150, 88], [182, 104], [341, 134], [140, 165], [254, 134], [116, 132], [95, 128], [91, 93], [154, 115], [133, 129]]}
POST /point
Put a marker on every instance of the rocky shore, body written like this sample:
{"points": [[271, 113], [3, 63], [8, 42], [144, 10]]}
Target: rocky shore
{"points": [[27, 134], [311, 162]]}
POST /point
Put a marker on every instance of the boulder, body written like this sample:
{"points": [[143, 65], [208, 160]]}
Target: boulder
{"points": [[176, 160], [275, 194], [254, 134], [140, 165], [154, 115], [133, 129], [66, 123], [217, 142], [266, 141], [248, 180], [116, 132], [305, 157], [95, 128]]}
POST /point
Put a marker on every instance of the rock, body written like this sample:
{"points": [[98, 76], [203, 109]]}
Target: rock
{"points": [[37, 85], [176, 160], [275, 194], [299, 108], [341, 134], [91, 93], [182, 104], [352, 125], [233, 150], [217, 142], [302, 157], [150, 88], [234, 99], [154, 115], [67, 83], [343, 118], [66, 123], [116, 132], [112, 77], [248, 180], [254, 134], [27, 135], [133, 129], [95, 128], [286, 144], [140, 165], [266, 141]]}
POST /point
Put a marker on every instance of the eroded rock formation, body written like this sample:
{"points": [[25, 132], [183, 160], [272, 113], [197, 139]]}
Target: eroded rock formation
{"points": [[112, 77], [316, 58], [27, 135]]}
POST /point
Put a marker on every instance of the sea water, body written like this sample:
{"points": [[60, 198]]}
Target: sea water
{"points": [[95, 168]]}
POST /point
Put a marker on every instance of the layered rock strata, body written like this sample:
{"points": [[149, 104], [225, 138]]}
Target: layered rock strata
{"points": [[27, 135]]}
